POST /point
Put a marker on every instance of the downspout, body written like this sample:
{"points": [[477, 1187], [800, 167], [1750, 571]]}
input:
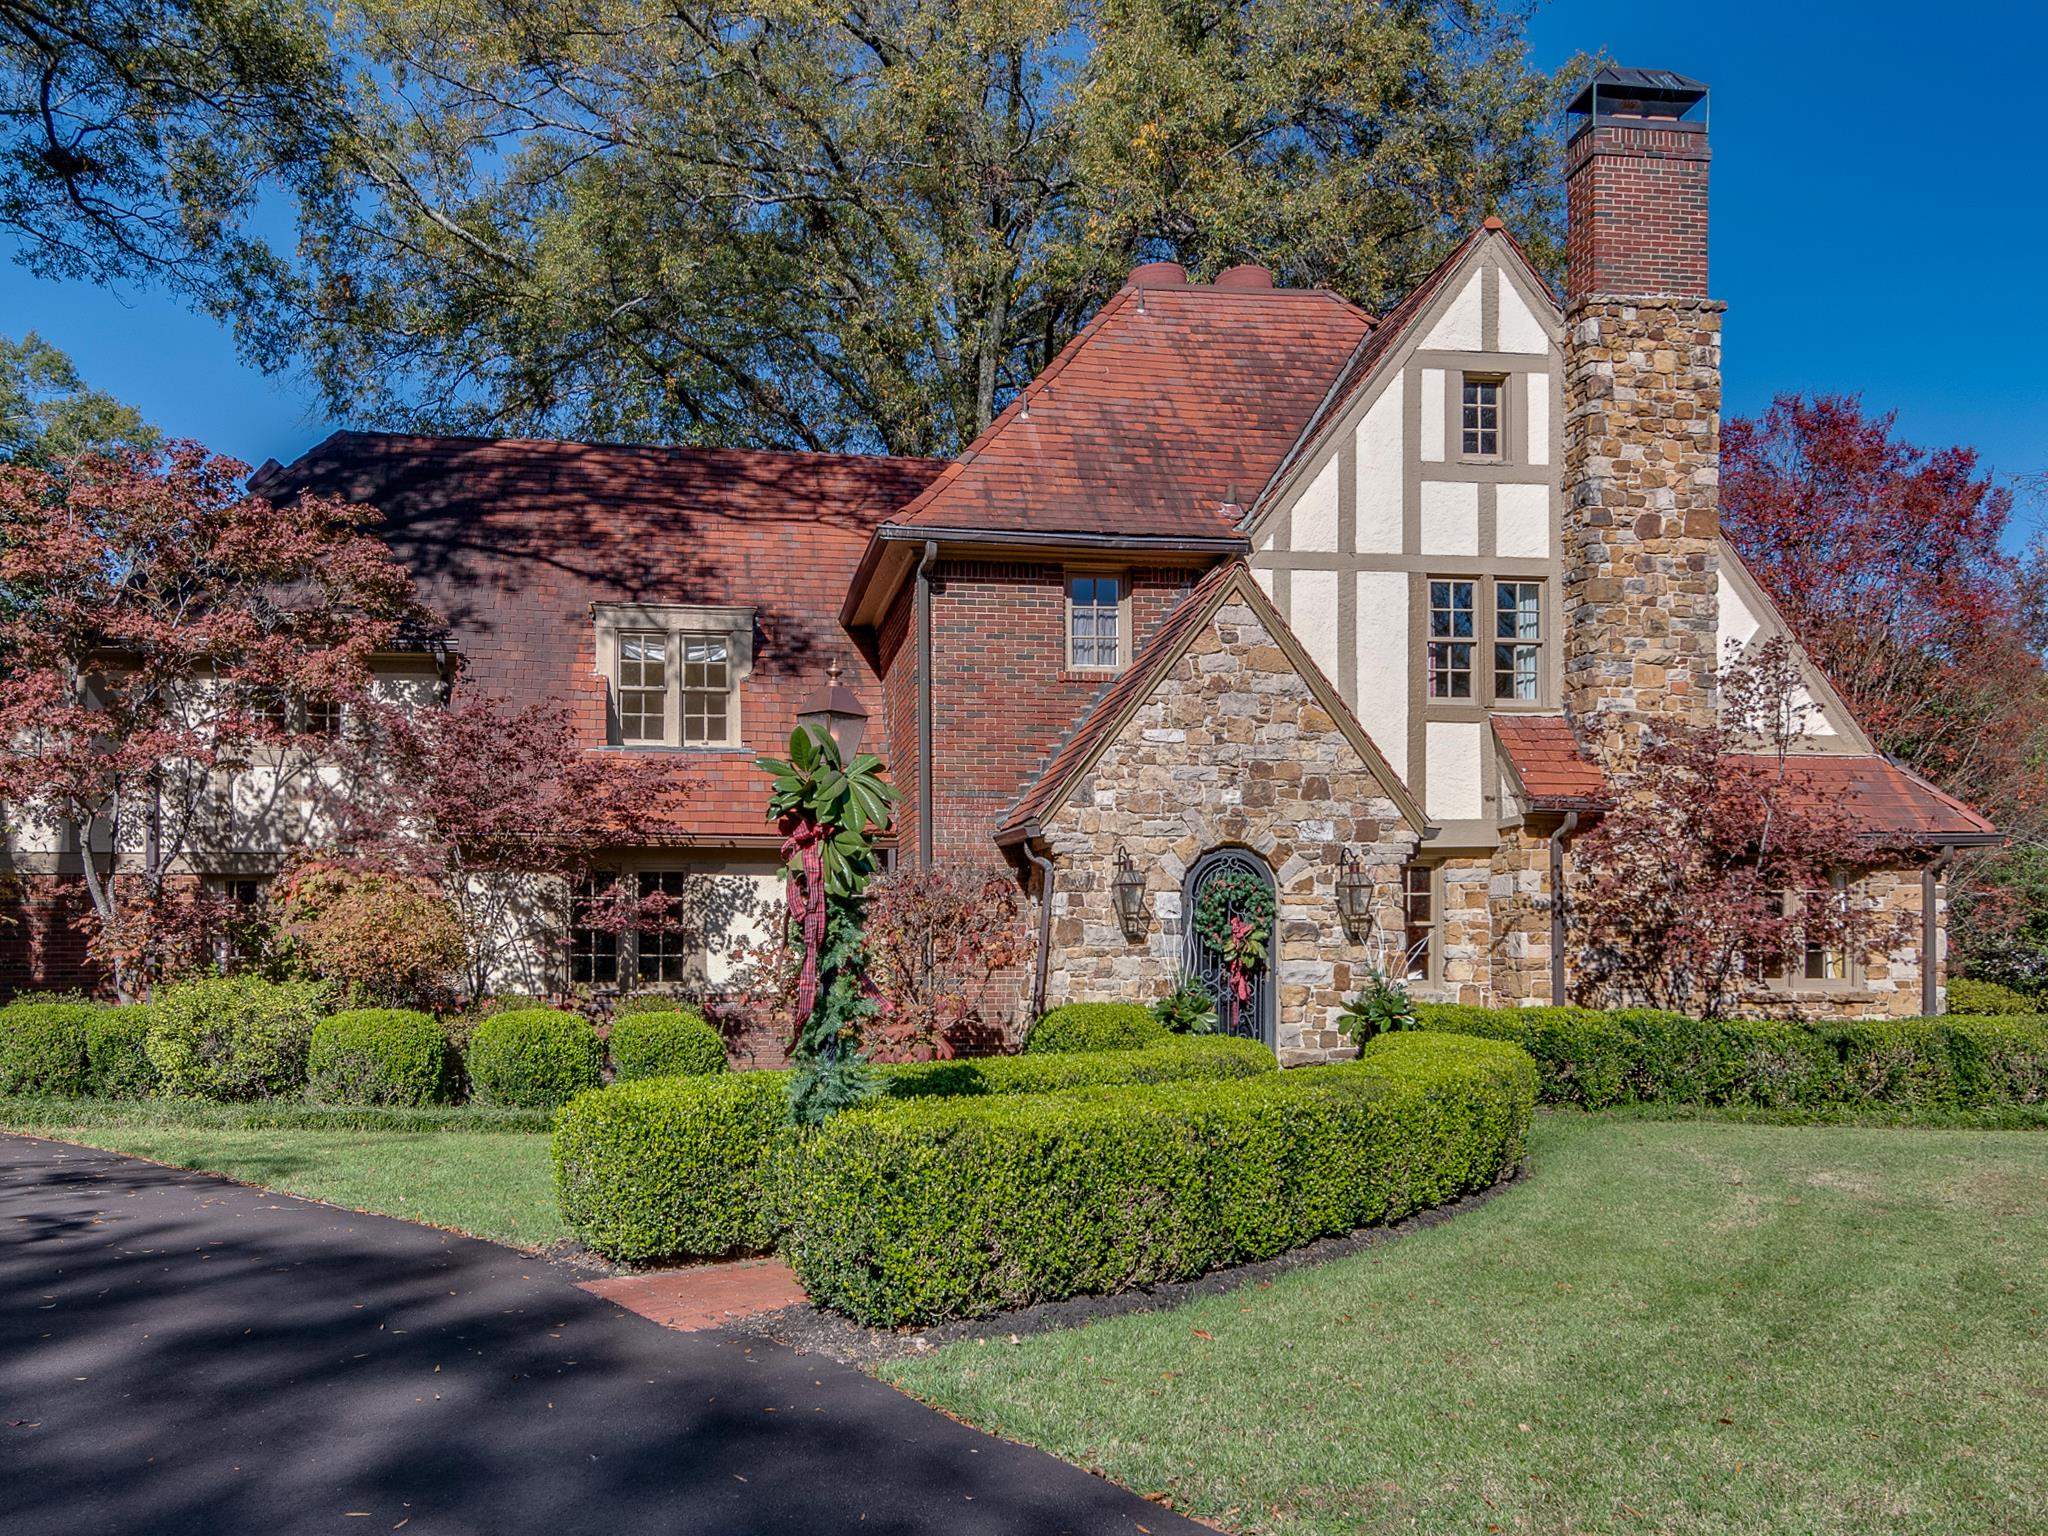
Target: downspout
{"points": [[924, 704], [1930, 931], [1032, 834], [1565, 829]]}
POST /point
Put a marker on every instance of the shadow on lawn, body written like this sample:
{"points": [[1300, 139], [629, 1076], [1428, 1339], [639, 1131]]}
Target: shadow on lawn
{"points": [[177, 1354]]}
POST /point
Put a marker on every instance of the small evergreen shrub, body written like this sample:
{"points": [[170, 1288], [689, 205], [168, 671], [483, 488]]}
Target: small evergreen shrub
{"points": [[1095, 1027], [694, 1167], [42, 1048], [1988, 999], [533, 1058], [677, 1043], [229, 1038], [651, 1002], [961, 1207], [117, 1064], [389, 1056]]}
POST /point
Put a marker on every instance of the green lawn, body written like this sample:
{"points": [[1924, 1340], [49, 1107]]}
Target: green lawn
{"points": [[1673, 1327], [494, 1184]]}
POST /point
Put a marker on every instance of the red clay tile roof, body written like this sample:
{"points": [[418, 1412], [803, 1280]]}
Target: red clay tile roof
{"points": [[1172, 402], [1890, 801], [512, 542], [1546, 758]]}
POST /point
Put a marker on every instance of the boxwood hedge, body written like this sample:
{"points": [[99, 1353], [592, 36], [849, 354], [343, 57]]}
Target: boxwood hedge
{"points": [[926, 1210], [679, 1167], [1095, 1027], [378, 1056], [42, 1048], [675, 1042], [1594, 1058], [117, 1064], [231, 1038], [533, 1058]]}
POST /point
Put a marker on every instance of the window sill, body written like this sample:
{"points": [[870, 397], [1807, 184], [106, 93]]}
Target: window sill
{"points": [[1090, 674], [665, 749]]}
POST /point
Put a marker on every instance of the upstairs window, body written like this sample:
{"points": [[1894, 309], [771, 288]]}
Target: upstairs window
{"points": [[1480, 416], [643, 687], [1095, 623], [1450, 639], [675, 673], [1518, 641]]}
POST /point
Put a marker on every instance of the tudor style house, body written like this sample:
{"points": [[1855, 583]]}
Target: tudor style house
{"points": [[1246, 580]]}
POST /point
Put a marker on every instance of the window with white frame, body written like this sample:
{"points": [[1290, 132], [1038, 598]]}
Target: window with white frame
{"points": [[675, 672], [1518, 641], [1451, 639], [1095, 622]]}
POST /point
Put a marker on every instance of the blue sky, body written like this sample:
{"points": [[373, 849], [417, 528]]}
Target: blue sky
{"points": [[1878, 221]]}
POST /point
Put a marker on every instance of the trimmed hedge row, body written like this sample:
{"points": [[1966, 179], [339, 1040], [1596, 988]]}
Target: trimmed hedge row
{"points": [[959, 1208], [1639, 1055], [1987, 999], [695, 1167], [533, 1058], [69, 1049], [379, 1056], [1095, 1027], [670, 1042]]}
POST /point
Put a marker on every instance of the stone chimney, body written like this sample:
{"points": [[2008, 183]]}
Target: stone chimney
{"points": [[1642, 394]]}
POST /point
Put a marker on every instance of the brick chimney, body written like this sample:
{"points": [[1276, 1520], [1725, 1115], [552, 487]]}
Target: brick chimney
{"points": [[1642, 412]]}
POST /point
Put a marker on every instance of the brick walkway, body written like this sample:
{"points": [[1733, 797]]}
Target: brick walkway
{"points": [[705, 1295]]}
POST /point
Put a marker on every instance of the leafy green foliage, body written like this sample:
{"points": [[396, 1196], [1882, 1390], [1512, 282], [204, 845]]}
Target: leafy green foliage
{"points": [[851, 799], [1095, 1027], [42, 1048], [378, 1056], [1381, 1005], [234, 1037], [646, 1002], [1643, 1055], [1988, 999], [117, 1064], [692, 1167], [675, 1043], [1189, 1009], [961, 1207], [32, 1113], [47, 414], [534, 1058]]}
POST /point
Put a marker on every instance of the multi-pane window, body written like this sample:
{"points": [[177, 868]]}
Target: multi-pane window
{"points": [[707, 689], [1418, 912], [593, 950], [1518, 640], [323, 717], [643, 687], [665, 948], [1480, 416], [1095, 622], [1450, 639], [1820, 961]]}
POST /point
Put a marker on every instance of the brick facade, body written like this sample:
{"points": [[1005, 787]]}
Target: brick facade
{"points": [[1231, 748], [42, 948], [1636, 209]]}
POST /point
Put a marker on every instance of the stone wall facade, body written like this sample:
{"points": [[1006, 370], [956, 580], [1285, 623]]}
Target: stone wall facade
{"points": [[1641, 519], [1232, 748]]}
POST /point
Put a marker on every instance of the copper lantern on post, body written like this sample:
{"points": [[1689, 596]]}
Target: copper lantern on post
{"points": [[1354, 895], [832, 711], [1127, 889]]}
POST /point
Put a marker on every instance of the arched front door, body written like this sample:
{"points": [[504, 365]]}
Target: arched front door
{"points": [[1255, 1013]]}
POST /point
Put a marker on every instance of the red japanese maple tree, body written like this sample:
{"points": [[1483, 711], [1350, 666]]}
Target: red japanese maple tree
{"points": [[1712, 872], [176, 659]]}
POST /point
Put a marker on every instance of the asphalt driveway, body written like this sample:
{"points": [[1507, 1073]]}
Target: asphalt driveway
{"points": [[178, 1353]]}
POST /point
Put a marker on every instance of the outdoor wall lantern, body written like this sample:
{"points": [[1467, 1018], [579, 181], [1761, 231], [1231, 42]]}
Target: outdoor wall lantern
{"points": [[1354, 895], [1128, 890], [832, 710]]}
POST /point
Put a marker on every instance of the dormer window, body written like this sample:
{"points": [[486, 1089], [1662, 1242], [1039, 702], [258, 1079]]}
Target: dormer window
{"points": [[674, 672]]}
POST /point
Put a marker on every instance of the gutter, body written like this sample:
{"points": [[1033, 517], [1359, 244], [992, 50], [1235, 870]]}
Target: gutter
{"points": [[1565, 829], [924, 703], [894, 533], [1930, 929], [1033, 834]]}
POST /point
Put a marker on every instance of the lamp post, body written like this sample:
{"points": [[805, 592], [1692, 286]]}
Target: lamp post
{"points": [[832, 711], [1127, 890], [1354, 895]]}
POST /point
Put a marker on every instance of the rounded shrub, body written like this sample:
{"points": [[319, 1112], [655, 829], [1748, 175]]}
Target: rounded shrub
{"points": [[1095, 1027], [117, 1064], [378, 1056], [650, 1002], [533, 1058], [233, 1037], [678, 1043], [42, 1048], [1988, 1000]]}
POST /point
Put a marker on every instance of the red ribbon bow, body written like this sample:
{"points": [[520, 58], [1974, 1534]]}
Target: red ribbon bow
{"points": [[806, 898]]}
